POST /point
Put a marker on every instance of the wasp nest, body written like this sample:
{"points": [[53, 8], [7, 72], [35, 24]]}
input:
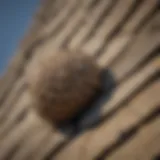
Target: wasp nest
{"points": [[62, 83]]}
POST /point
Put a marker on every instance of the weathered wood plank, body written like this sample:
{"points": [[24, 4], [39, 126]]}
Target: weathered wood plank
{"points": [[77, 17], [144, 10], [152, 149], [37, 145], [50, 144], [91, 20], [12, 96], [23, 135], [116, 16], [31, 144], [13, 113], [144, 145], [13, 138], [53, 25], [127, 35], [141, 48]]}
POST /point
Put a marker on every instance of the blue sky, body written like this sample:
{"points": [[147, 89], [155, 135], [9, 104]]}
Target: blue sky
{"points": [[15, 16]]}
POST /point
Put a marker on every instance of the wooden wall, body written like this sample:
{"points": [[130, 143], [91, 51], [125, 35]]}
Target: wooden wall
{"points": [[124, 122]]}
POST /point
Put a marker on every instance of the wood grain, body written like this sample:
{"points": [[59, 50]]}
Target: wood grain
{"points": [[144, 145], [124, 38]]}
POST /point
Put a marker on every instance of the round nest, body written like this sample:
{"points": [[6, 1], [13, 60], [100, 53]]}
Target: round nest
{"points": [[62, 83]]}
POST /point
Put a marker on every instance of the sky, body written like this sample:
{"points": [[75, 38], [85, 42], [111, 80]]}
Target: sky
{"points": [[15, 17]]}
